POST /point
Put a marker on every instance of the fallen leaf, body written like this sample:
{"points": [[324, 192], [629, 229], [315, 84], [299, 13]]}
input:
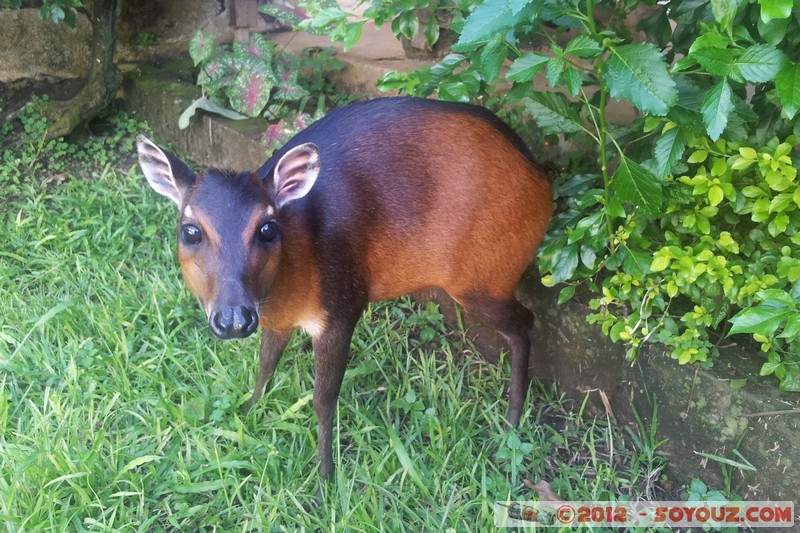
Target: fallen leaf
{"points": [[543, 490]]}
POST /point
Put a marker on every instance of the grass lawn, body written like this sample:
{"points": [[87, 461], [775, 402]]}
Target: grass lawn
{"points": [[119, 411]]}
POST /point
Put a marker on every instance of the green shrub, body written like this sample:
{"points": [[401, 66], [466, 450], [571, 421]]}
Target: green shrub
{"points": [[682, 222]]}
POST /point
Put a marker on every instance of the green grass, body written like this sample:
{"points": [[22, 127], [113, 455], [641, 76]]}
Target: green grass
{"points": [[120, 412]]}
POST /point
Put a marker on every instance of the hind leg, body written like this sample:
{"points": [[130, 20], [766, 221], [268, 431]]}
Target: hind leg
{"points": [[514, 322]]}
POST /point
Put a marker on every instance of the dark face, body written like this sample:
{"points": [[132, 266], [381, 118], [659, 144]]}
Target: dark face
{"points": [[229, 246], [229, 236]]}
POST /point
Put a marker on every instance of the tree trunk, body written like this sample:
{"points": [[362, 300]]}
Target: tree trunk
{"points": [[104, 78]]}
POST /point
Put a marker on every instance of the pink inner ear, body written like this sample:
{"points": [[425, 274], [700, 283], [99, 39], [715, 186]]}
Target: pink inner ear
{"points": [[296, 173]]}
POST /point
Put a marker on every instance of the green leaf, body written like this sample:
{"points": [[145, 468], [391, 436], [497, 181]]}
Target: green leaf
{"points": [[634, 184], [492, 58], [201, 47], [669, 150], [526, 67], [775, 9], [553, 113], [461, 88], [780, 202], [408, 465], [431, 32], [249, 93], [717, 107], [139, 461], [792, 327], [791, 381], [637, 264], [555, 68], [573, 80], [327, 16], [724, 11], [638, 72], [715, 195], [660, 263], [760, 63], [708, 40], [770, 366], [259, 48], [762, 320], [406, 24], [352, 34], [588, 257], [566, 294], [716, 61], [583, 46], [566, 264], [788, 84], [518, 5], [774, 31], [485, 20]]}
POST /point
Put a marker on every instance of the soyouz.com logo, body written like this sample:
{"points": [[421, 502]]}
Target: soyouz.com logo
{"points": [[644, 514]]}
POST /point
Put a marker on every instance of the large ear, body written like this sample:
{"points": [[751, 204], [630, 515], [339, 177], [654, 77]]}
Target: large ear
{"points": [[296, 173], [166, 174]]}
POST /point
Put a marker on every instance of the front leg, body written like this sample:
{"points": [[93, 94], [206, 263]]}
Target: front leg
{"points": [[331, 351], [273, 344]]}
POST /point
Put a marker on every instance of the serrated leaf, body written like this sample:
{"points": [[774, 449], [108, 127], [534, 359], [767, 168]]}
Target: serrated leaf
{"points": [[708, 40], [485, 20], [492, 58], [553, 113], [583, 46], [788, 84], [760, 63], [555, 68], [716, 61], [717, 107], [634, 184], [518, 5], [573, 80], [638, 73], [201, 47], [669, 150], [526, 67], [327, 16], [775, 9]]}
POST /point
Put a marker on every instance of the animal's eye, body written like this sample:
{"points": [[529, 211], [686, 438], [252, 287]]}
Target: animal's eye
{"points": [[268, 232], [191, 234]]}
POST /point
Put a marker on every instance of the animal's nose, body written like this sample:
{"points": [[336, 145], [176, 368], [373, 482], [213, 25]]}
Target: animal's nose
{"points": [[233, 322]]}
